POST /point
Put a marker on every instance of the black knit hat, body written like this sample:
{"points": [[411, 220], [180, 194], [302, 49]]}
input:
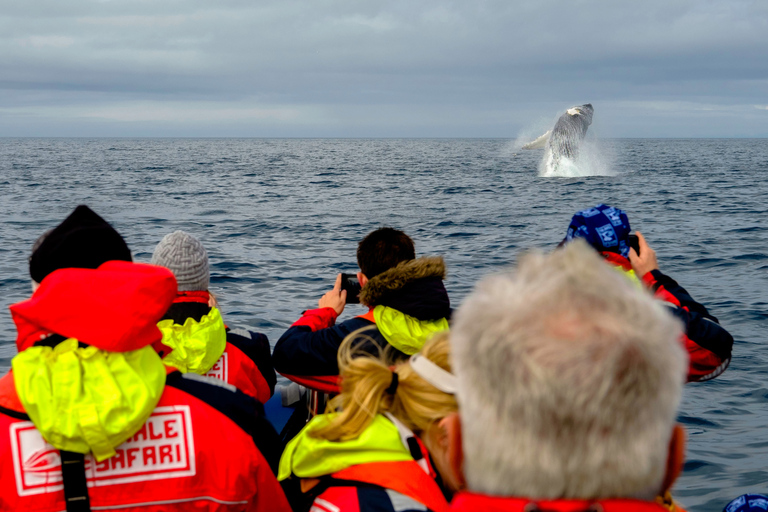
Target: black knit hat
{"points": [[83, 240]]}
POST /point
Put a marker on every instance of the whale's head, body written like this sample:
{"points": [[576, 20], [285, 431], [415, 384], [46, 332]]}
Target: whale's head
{"points": [[581, 110]]}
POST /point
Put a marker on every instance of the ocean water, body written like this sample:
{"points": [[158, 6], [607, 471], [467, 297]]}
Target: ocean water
{"points": [[281, 217]]}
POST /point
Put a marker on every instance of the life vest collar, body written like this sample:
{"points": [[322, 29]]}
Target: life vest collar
{"points": [[198, 297], [473, 501], [617, 260], [195, 346], [309, 457], [406, 333], [623, 265]]}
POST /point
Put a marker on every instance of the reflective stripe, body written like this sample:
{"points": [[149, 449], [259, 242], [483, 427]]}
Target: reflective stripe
{"points": [[171, 502], [327, 506]]}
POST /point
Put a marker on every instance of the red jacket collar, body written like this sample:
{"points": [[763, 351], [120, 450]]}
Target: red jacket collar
{"points": [[470, 501], [617, 260], [199, 297], [115, 307]]}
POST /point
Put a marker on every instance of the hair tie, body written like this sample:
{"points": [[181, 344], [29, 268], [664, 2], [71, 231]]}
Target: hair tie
{"points": [[393, 385]]}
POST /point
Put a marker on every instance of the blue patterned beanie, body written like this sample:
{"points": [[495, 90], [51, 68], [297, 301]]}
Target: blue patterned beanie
{"points": [[748, 503], [604, 227]]}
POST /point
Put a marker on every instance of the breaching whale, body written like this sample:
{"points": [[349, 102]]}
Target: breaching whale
{"points": [[568, 132], [563, 141]]}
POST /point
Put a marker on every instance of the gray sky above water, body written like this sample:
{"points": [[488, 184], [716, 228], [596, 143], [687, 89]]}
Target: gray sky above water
{"points": [[354, 68]]}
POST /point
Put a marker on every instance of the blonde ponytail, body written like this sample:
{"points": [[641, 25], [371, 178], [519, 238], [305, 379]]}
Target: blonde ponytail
{"points": [[364, 382]]}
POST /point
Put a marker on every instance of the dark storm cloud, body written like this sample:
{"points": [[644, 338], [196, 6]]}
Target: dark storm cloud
{"points": [[484, 68]]}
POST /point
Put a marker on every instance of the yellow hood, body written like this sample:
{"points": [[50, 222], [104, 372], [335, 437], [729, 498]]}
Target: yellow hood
{"points": [[196, 345], [308, 457], [86, 399], [406, 333]]}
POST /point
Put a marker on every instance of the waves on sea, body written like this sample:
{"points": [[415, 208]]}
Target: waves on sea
{"points": [[281, 217]]}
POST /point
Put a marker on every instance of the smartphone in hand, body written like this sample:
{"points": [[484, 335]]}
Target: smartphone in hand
{"points": [[350, 283]]}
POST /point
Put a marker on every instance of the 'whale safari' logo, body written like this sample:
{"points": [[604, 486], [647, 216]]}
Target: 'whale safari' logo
{"points": [[162, 448]]}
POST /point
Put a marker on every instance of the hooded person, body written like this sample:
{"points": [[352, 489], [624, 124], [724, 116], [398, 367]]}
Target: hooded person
{"points": [[92, 419], [406, 299], [195, 337], [606, 229], [380, 446]]}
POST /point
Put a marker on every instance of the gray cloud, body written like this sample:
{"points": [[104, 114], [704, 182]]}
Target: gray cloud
{"points": [[345, 68]]}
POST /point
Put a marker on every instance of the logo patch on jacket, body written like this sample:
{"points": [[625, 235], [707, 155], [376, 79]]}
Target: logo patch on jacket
{"points": [[220, 370], [162, 448]]}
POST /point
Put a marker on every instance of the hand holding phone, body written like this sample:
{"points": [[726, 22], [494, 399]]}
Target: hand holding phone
{"points": [[335, 298], [644, 259]]}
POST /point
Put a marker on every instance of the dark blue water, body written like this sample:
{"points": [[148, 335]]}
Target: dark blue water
{"points": [[281, 217]]}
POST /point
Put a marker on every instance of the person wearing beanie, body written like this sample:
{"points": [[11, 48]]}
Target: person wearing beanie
{"points": [[82, 240], [92, 417], [195, 338], [748, 503], [606, 229]]}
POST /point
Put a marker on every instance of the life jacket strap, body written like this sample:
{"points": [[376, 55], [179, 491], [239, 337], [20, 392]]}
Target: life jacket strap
{"points": [[75, 483]]}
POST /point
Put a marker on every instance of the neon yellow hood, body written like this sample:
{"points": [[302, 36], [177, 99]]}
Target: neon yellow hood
{"points": [[85, 399], [406, 333], [309, 457], [196, 345]]}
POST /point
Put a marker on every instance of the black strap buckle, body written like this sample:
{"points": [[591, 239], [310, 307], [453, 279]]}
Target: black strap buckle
{"points": [[75, 483]]}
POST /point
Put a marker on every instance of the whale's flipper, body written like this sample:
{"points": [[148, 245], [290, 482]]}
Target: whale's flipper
{"points": [[569, 130], [538, 143]]}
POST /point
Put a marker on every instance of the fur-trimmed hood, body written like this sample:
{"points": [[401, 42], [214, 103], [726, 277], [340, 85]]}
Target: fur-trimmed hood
{"points": [[414, 287]]}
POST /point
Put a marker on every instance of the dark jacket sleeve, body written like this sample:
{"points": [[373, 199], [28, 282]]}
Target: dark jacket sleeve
{"points": [[311, 344], [708, 344]]}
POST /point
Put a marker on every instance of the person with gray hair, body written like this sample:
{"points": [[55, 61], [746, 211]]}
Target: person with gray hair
{"points": [[569, 380]]}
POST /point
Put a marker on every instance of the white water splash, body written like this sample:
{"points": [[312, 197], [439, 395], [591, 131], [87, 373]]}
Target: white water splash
{"points": [[593, 160]]}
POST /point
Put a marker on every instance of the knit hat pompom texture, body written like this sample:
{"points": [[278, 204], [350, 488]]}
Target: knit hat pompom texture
{"points": [[185, 256]]}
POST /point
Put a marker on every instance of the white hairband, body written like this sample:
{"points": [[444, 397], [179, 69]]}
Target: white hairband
{"points": [[430, 372]]}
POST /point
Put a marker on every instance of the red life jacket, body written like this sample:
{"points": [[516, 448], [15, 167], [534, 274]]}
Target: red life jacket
{"points": [[236, 368], [473, 502], [405, 477], [188, 454], [704, 364]]}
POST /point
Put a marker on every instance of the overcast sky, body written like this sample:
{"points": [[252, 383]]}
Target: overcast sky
{"points": [[357, 68]]}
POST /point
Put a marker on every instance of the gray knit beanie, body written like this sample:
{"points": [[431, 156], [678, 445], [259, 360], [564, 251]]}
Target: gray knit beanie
{"points": [[185, 256]]}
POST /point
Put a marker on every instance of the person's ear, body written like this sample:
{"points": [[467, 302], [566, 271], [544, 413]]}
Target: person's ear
{"points": [[440, 433], [675, 458], [361, 279], [452, 426]]}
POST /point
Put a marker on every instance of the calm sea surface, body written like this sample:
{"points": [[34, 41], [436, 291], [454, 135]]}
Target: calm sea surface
{"points": [[281, 217]]}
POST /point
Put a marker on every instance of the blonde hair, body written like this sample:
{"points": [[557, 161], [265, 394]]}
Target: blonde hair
{"points": [[364, 382], [569, 379]]}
